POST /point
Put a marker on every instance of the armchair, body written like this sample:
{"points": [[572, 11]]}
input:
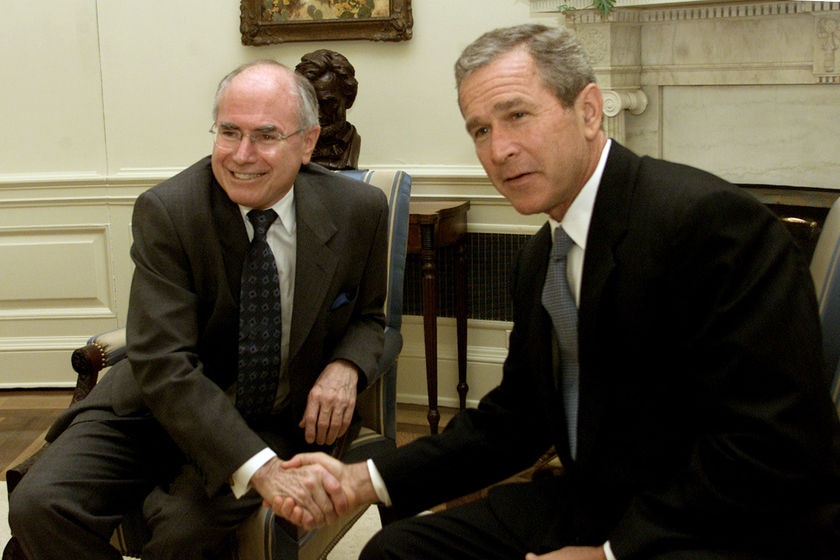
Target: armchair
{"points": [[262, 536], [825, 271]]}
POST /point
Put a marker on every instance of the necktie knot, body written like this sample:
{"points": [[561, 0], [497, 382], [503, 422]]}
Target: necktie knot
{"points": [[261, 220], [562, 244]]}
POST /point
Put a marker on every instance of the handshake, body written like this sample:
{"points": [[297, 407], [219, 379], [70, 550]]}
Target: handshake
{"points": [[313, 489]]}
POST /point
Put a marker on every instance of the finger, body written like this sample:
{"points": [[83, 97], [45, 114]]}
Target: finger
{"points": [[324, 424], [287, 509], [327, 430], [348, 415], [330, 489], [346, 420], [323, 498], [317, 500], [330, 464], [341, 422], [307, 521], [303, 513], [301, 459], [298, 460], [339, 499], [309, 421]]}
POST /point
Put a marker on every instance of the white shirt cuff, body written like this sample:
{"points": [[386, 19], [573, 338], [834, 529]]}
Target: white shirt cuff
{"points": [[379, 484], [241, 479], [608, 551]]}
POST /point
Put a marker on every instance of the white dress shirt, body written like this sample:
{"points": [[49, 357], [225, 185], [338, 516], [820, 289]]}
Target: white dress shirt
{"points": [[282, 240], [576, 224]]}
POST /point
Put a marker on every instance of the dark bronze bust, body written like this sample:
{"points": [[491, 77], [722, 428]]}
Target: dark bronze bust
{"points": [[334, 79]]}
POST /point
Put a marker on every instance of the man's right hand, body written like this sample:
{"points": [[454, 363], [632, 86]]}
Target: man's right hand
{"points": [[354, 480], [317, 494]]}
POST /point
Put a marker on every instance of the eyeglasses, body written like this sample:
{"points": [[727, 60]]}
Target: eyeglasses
{"points": [[265, 141]]}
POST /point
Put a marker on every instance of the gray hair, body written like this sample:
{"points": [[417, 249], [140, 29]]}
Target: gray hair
{"points": [[560, 58], [307, 100]]}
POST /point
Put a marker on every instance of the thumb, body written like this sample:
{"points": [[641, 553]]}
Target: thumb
{"points": [[316, 458]]}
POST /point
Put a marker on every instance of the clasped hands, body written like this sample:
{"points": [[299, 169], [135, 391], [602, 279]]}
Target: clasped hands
{"points": [[308, 490], [330, 488], [313, 489]]}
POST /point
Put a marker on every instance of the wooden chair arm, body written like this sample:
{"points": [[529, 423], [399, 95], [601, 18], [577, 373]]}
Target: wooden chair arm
{"points": [[101, 351]]}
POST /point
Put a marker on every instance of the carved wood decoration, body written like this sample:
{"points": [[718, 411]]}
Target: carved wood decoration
{"points": [[265, 22]]}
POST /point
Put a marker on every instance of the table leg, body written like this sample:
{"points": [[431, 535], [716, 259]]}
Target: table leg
{"points": [[461, 320], [429, 286]]}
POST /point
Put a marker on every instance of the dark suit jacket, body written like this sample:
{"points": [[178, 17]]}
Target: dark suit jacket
{"points": [[188, 248], [705, 421]]}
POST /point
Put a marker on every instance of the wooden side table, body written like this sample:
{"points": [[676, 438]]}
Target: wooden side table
{"points": [[433, 225]]}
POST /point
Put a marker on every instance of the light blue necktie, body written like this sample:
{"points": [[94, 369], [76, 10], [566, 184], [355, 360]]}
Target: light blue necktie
{"points": [[558, 300]]}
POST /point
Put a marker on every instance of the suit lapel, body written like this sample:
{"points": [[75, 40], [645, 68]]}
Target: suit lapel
{"points": [[233, 236], [608, 226], [316, 262]]}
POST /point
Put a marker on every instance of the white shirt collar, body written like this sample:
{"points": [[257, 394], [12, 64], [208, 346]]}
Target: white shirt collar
{"points": [[576, 221], [285, 208]]}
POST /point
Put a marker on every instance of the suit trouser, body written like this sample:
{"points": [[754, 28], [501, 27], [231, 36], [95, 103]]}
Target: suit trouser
{"points": [[73, 497], [480, 529], [519, 518]]}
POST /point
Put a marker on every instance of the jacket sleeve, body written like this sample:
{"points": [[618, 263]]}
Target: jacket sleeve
{"points": [[164, 341], [762, 441]]}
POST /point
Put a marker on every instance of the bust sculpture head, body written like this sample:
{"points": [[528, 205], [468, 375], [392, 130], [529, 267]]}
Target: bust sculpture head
{"points": [[334, 80]]}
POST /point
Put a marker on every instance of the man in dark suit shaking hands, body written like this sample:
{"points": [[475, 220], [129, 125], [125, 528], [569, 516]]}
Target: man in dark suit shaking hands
{"points": [[171, 428], [688, 404]]}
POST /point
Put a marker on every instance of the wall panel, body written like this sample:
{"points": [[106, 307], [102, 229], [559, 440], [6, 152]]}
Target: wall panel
{"points": [[64, 256], [55, 271]]}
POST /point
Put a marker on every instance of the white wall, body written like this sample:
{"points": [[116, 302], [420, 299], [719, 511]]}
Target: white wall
{"points": [[115, 88], [101, 99]]}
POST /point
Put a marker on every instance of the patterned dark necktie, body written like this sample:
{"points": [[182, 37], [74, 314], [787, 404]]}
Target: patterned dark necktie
{"points": [[558, 300], [259, 322]]}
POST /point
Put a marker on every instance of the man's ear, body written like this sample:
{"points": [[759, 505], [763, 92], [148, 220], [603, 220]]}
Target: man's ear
{"points": [[591, 103], [310, 139]]}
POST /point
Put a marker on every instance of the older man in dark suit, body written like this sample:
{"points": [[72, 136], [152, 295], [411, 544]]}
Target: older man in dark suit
{"points": [[166, 428], [681, 381]]}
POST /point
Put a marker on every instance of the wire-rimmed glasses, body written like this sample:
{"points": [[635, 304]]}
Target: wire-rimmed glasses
{"points": [[266, 140]]}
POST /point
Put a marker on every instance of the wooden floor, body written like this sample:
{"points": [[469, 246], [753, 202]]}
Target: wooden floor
{"points": [[24, 419], [25, 415]]}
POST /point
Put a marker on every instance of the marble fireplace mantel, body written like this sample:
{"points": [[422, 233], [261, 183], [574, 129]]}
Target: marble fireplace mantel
{"points": [[669, 69]]}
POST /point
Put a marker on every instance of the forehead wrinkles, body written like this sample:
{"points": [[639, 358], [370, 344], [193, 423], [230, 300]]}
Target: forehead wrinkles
{"points": [[499, 108], [513, 75], [494, 96]]}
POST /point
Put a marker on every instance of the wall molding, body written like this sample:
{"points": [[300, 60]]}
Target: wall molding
{"points": [[38, 332], [639, 11], [36, 340]]}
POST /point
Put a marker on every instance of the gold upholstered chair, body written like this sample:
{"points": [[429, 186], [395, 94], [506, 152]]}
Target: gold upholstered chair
{"points": [[262, 536]]}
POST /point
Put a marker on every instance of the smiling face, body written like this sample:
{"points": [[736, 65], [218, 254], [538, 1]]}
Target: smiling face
{"points": [[537, 153], [261, 98]]}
